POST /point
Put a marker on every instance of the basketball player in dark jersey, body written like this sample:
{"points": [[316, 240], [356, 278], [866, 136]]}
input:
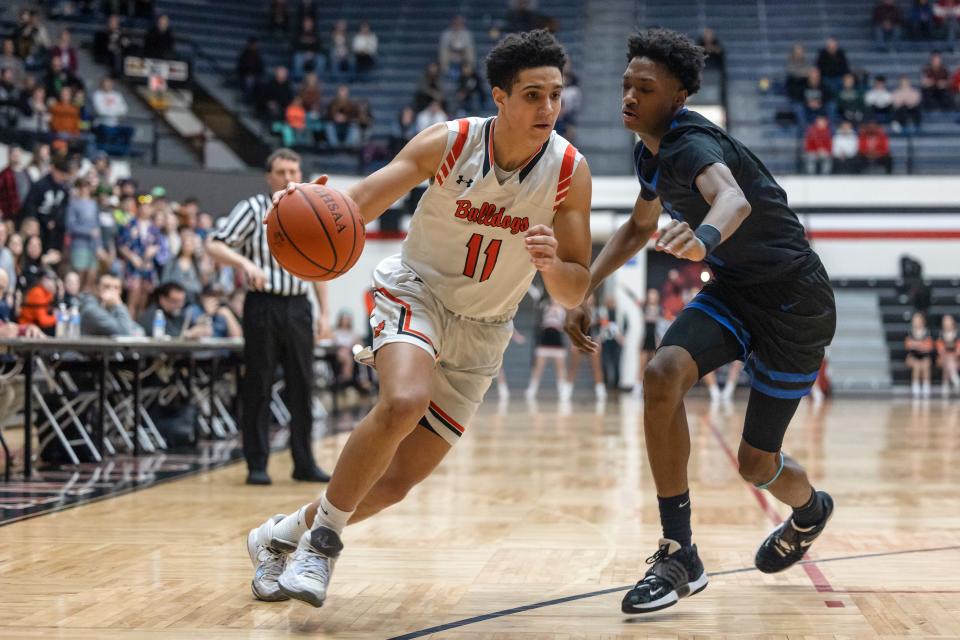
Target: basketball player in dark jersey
{"points": [[770, 305]]}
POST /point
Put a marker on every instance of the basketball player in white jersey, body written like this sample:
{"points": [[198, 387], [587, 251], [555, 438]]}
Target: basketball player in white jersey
{"points": [[508, 197]]}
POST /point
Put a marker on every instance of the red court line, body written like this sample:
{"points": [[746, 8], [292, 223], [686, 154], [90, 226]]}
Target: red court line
{"points": [[820, 581], [887, 234]]}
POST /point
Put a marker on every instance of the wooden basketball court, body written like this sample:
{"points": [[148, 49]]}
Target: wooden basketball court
{"points": [[534, 527]]}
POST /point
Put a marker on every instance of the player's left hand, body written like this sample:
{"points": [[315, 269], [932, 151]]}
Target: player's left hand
{"points": [[542, 247], [291, 187], [677, 239]]}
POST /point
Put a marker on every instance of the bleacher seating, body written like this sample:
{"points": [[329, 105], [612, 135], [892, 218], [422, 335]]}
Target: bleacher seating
{"points": [[757, 35]]}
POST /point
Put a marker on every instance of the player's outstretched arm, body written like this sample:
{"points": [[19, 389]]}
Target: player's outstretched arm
{"points": [[416, 162], [562, 254], [728, 209], [623, 245]]}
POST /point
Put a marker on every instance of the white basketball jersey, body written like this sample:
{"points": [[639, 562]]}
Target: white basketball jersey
{"points": [[466, 239]]}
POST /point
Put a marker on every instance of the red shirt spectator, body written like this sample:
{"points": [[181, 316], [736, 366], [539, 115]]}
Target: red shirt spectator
{"points": [[37, 306], [874, 142], [955, 81], [818, 137]]}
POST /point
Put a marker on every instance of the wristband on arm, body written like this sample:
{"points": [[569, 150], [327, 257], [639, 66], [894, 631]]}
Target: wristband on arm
{"points": [[709, 235]]}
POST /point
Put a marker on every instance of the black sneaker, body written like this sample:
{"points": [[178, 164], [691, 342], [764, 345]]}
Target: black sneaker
{"points": [[676, 573], [788, 543]]}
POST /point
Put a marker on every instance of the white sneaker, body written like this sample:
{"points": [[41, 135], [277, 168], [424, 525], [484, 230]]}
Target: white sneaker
{"points": [[503, 392], [728, 391], [267, 562], [308, 571], [926, 389], [915, 389], [530, 393], [565, 391], [600, 391]]}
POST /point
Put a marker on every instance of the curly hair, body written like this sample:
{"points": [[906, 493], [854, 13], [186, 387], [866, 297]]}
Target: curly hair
{"points": [[675, 51], [519, 51]]}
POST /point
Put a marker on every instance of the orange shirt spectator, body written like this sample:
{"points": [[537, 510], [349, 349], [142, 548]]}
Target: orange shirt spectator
{"points": [[64, 115], [296, 116], [37, 308]]}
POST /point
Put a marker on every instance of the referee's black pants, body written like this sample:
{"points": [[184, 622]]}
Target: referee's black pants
{"points": [[277, 330]]}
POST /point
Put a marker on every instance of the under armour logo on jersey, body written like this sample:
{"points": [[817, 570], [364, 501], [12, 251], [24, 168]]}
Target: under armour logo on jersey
{"points": [[460, 180]]}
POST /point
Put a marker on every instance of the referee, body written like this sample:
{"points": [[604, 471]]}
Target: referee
{"points": [[277, 327]]}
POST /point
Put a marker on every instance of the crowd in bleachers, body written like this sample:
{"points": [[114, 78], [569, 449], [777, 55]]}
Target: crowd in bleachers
{"points": [[75, 241], [308, 101], [846, 115]]}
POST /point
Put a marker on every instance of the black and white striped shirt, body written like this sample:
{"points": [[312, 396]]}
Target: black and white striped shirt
{"points": [[243, 230]]}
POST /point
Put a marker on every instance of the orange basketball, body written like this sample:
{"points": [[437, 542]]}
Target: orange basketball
{"points": [[315, 232]]}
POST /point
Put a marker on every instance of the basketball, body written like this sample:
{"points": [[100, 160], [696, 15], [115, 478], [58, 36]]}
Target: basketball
{"points": [[315, 232]]}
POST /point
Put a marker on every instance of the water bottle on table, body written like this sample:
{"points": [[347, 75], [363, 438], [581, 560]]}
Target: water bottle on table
{"points": [[159, 324]]}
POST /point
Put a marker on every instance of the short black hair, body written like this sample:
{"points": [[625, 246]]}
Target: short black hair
{"points": [[678, 53], [165, 289], [519, 51]]}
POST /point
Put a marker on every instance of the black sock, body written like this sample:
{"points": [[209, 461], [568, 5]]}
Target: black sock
{"points": [[810, 513], [675, 518]]}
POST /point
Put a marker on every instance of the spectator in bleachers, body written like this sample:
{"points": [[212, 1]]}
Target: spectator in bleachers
{"points": [[935, 84], [874, 148], [818, 100], [159, 40], [887, 24], [9, 60], [70, 289], [279, 16], [906, 107], [341, 62], [33, 262], [471, 96], [846, 145], [571, 100], [250, 67], [83, 231], [341, 126], [294, 130], [833, 65], [15, 246], [947, 14], [818, 147], [59, 77], [307, 50], [276, 95], [142, 246], [105, 314], [879, 100], [948, 348], [65, 116], [110, 106], [955, 88], [798, 69], [65, 50], [47, 203], [32, 39], [307, 8], [107, 251], [6, 297], [184, 269], [711, 45], [365, 47], [15, 184], [404, 128], [364, 119], [922, 21], [311, 95], [433, 114], [39, 164], [38, 301], [850, 104], [456, 48], [11, 100], [919, 346], [8, 264], [521, 16], [111, 44], [429, 88]]}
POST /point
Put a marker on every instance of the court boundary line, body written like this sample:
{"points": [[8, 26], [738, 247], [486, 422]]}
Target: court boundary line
{"points": [[583, 596]]}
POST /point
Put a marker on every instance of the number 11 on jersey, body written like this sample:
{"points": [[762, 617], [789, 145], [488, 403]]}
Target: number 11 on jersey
{"points": [[473, 255]]}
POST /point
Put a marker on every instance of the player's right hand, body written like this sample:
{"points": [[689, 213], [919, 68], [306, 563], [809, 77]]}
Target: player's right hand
{"points": [[255, 276], [577, 326], [291, 187]]}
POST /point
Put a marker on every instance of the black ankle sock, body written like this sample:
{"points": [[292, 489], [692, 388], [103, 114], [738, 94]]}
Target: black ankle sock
{"points": [[675, 518], [810, 513]]}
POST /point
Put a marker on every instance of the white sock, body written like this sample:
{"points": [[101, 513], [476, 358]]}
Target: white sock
{"points": [[292, 527], [330, 517]]}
